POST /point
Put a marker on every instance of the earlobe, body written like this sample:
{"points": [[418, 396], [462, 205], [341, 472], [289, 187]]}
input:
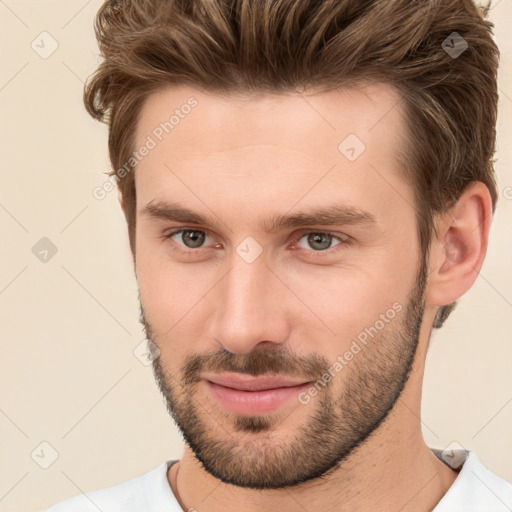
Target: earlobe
{"points": [[458, 252]]}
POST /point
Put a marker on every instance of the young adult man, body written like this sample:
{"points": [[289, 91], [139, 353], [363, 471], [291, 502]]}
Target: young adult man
{"points": [[308, 188]]}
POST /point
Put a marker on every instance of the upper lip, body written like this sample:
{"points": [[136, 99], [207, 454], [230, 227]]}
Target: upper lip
{"points": [[248, 383]]}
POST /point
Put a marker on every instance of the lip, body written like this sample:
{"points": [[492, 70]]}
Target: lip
{"points": [[253, 395], [248, 383]]}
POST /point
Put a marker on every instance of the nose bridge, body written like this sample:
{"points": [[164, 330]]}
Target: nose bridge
{"points": [[247, 291], [249, 307]]}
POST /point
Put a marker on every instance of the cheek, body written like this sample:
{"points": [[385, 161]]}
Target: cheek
{"points": [[174, 297], [152, 278], [166, 292], [352, 298], [160, 279]]}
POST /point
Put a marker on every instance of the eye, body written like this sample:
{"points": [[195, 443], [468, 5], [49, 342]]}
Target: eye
{"points": [[191, 241], [190, 238], [321, 241]]}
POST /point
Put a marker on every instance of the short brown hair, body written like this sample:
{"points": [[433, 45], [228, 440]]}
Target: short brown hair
{"points": [[258, 46]]}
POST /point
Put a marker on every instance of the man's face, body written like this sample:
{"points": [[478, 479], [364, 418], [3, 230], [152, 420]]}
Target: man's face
{"points": [[336, 304]]}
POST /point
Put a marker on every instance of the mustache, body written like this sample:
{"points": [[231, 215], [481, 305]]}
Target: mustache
{"points": [[261, 361], [278, 360]]}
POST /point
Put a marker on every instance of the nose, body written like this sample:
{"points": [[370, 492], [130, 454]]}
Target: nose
{"points": [[251, 307]]}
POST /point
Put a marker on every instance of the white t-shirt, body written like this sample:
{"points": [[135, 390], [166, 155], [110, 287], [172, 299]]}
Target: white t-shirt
{"points": [[475, 489]]}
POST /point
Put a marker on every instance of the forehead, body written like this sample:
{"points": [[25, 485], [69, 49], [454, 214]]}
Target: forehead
{"points": [[340, 145], [226, 121]]}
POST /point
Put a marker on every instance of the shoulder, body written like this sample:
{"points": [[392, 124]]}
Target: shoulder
{"points": [[144, 492], [477, 489]]}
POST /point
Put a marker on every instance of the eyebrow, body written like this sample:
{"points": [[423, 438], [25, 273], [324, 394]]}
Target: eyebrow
{"points": [[338, 214]]}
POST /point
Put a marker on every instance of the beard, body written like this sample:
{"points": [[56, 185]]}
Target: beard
{"points": [[250, 451]]}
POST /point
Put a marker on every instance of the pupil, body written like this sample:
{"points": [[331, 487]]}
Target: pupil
{"points": [[315, 238], [195, 237]]}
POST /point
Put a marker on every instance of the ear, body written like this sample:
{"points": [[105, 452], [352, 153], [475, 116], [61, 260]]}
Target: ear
{"points": [[458, 251]]}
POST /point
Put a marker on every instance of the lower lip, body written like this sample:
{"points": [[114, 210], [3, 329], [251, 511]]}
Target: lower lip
{"points": [[254, 402]]}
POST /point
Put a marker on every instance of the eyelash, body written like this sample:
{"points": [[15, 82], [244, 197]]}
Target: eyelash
{"points": [[344, 241]]}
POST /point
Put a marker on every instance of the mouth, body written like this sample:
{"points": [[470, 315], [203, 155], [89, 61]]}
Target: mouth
{"points": [[253, 395]]}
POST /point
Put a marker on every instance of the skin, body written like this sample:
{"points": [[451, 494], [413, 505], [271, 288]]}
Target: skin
{"points": [[243, 160]]}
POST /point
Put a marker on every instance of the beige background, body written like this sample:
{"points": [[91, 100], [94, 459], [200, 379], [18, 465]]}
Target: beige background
{"points": [[69, 326]]}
